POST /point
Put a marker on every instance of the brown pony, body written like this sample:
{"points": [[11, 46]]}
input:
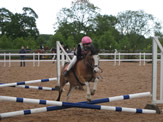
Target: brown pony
{"points": [[81, 74], [41, 51]]}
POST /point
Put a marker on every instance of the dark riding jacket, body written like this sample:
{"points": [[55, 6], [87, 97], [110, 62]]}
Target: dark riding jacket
{"points": [[81, 52], [22, 51]]}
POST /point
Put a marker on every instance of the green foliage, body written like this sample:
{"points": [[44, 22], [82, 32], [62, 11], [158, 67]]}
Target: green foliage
{"points": [[5, 43], [18, 25]]}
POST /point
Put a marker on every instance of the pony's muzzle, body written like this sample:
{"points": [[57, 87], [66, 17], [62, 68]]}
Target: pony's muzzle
{"points": [[96, 70]]}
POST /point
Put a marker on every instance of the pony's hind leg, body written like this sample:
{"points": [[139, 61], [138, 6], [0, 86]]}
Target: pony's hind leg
{"points": [[69, 92], [62, 84], [95, 86]]}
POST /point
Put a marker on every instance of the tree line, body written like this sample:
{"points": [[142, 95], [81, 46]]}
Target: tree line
{"points": [[129, 30]]}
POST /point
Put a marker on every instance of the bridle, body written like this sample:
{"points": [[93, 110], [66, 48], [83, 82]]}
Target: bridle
{"points": [[91, 65]]}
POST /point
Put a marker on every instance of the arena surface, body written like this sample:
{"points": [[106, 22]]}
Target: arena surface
{"points": [[127, 78]]}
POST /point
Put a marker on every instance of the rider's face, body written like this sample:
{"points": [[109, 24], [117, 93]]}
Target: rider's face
{"points": [[87, 45]]}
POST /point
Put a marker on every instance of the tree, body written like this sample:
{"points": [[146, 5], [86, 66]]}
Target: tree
{"points": [[135, 26], [137, 22], [77, 20], [5, 19], [18, 25]]}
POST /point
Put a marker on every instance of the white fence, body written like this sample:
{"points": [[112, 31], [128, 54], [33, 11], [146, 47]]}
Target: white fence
{"points": [[116, 58]]}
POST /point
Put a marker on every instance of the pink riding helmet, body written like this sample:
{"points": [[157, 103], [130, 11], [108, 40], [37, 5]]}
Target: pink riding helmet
{"points": [[86, 40]]}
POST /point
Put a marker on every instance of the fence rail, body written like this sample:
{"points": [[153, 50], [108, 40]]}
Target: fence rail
{"points": [[117, 58]]}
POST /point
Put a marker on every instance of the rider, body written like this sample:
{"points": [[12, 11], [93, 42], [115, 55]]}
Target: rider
{"points": [[81, 51]]}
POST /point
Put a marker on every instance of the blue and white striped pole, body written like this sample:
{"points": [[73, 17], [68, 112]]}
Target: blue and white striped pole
{"points": [[50, 102], [63, 105], [34, 87], [78, 105], [27, 82]]}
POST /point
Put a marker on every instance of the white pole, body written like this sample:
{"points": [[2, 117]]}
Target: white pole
{"points": [[154, 71], [58, 63], [144, 58], [4, 60], [115, 61], [139, 59], [33, 59], [38, 60], [119, 58], [9, 59]]}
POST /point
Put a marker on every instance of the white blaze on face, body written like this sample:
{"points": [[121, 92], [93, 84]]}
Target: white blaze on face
{"points": [[96, 59]]}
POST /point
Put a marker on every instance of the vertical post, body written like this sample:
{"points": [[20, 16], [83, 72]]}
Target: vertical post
{"points": [[4, 63], [9, 59], [161, 77], [38, 60], [58, 63], [144, 58], [139, 59], [33, 59], [154, 71], [119, 55], [115, 61]]}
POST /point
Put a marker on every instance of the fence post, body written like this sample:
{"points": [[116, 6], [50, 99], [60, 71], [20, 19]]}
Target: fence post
{"points": [[9, 59], [144, 58], [33, 59], [38, 60], [154, 71], [139, 59], [58, 63], [4, 63], [115, 60]]}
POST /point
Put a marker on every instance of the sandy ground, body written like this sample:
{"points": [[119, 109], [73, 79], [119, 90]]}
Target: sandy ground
{"points": [[118, 80]]}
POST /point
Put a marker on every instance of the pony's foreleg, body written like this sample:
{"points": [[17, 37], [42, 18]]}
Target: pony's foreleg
{"points": [[95, 86], [69, 92], [88, 91]]}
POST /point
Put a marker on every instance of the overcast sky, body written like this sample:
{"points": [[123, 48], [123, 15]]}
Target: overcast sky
{"points": [[48, 9]]}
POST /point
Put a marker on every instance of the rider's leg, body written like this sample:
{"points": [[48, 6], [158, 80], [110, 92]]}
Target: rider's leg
{"points": [[69, 66]]}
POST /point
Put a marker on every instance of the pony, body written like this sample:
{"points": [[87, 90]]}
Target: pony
{"points": [[82, 73], [41, 51]]}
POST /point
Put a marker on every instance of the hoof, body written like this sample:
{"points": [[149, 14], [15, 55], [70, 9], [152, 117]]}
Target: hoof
{"points": [[89, 100]]}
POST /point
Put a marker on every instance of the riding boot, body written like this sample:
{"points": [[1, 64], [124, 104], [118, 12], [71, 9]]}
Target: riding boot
{"points": [[69, 66]]}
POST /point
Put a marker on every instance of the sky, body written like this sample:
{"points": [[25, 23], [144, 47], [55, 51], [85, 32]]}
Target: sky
{"points": [[47, 9]]}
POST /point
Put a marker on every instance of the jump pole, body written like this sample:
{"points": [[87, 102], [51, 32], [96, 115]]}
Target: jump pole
{"points": [[27, 82], [34, 87], [77, 105], [63, 105], [50, 102]]}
